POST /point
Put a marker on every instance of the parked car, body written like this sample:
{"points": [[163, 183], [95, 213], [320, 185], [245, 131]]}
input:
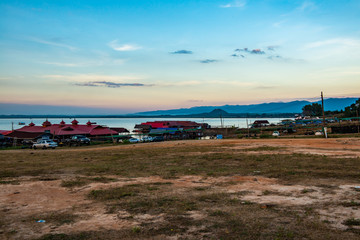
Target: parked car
{"points": [[134, 140], [309, 132], [147, 139], [44, 144], [78, 140], [5, 141], [276, 133], [158, 139], [318, 133]]}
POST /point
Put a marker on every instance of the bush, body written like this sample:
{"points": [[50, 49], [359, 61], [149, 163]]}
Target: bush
{"points": [[266, 136]]}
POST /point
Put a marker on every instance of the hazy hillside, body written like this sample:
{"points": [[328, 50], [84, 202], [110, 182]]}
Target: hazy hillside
{"points": [[270, 108], [331, 104]]}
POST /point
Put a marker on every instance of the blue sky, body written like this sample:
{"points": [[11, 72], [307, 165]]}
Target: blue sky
{"points": [[148, 55]]}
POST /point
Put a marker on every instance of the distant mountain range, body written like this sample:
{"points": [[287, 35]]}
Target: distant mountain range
{"points": [[330, 104], [274, 109]]}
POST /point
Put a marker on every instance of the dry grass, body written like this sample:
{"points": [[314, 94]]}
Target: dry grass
{"points": [[171, 163], [202, 212]]}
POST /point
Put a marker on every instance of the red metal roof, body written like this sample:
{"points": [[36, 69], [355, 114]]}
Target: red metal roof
{"points": [[74, 122], [46, 123], [24, 135], [172, 124], [69, 129], [5, 132], [120, 130]]}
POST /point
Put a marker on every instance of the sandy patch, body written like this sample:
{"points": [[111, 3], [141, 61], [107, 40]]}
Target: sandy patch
{"points": [[36, 197]]}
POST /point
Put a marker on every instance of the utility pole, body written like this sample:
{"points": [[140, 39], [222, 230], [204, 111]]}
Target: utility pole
{"points": [[357, 115], [247, 126], [323, 113]]}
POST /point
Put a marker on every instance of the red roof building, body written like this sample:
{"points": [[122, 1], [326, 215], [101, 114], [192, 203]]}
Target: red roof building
{"points": [[147, 127], [62, 129], [173, 124], [5, 132]]}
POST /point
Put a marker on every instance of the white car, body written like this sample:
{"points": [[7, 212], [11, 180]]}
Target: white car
{"points": [[318, 133], [44, 144], [276, 133], [134, 140], [147, 139]]}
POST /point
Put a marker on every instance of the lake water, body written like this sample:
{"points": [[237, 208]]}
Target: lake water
{"points": [[129, 123]]}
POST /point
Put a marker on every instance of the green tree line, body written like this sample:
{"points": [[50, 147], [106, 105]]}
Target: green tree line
{"points": [[315, 110]]}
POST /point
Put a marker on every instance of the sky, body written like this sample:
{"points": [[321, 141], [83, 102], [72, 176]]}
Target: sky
{"points": [[140, 55]]}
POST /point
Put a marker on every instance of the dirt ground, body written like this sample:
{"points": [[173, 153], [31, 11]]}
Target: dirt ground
{"points": [[31, 199], [344, 147]]}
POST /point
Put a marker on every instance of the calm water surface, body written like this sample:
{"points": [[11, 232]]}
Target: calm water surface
{"points": [[129, 123]]}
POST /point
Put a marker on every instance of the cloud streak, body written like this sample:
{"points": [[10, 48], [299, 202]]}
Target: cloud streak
{"points": [[257, 51], [307, 5], [348, 42], [208, 82], [124, 47], [91, 78], [254, 51], [110, 84], [52, 43], [59, 64], [237, 55], [209, 61], [182, 52], [272, 47], [234, 4]]}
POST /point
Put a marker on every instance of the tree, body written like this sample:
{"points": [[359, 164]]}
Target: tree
{"points": [[353, 109], [314, 109]]}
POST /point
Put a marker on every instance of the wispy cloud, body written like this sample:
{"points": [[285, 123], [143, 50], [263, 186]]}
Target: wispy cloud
{"points": [[237, 55], [302, 8], [278, 58], [274, 57], [279, 23], [52, 43], [59, 64], [272, 47], [257, 51], [210, 82], [182, 52], [110, 84], [234, 4], [264, 87], [195, 101], [242, 50], [123, 47], [178, 84], [348, 42], [95, 62], [233, 83], [209, 61], [307, 5], [91, 78], [254, 51]]}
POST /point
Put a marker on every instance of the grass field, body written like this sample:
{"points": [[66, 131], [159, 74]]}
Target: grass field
{"points": [[235, 189]]}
